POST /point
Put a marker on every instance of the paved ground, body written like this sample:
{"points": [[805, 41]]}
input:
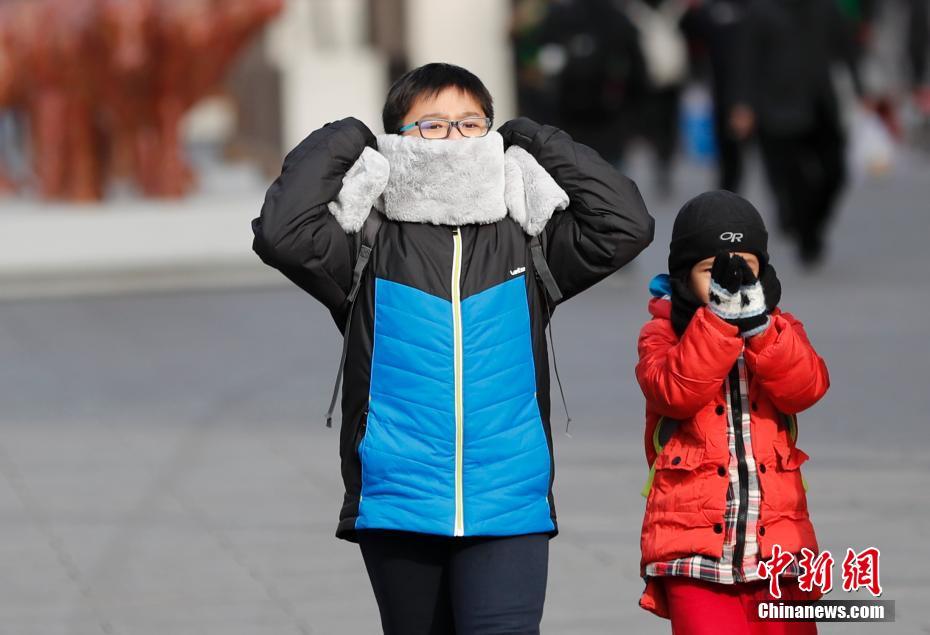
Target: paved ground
{"points": [[164, 469], [130, 244]]}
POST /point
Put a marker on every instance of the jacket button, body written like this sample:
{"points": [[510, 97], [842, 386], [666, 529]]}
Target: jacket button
{"points": [[719, 410], [762, 468], [718, 528], [676, 460], [722, 471], [761, 531]]}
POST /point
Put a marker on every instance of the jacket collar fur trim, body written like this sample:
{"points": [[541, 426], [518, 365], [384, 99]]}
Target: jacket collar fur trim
{"points": [[457, 182]]}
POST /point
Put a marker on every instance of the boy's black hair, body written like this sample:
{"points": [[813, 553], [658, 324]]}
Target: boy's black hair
{"points": [[429, 80]]}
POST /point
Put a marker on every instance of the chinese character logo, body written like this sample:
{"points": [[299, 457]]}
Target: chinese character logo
{"points": [[860, 570], [775, 566], [815, 571]]}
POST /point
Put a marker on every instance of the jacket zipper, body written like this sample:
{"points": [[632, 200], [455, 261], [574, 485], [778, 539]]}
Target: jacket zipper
{"points": [[736, 412], [459, 528], [360, 431], [359, 438]]}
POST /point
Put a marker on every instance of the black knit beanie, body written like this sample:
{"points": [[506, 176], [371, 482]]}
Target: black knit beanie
{"points": [[712, 222]]}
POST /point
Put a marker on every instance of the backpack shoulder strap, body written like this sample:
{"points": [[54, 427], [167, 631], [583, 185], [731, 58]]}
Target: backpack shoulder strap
{"points": [[542, 270], [369, 234], [550, 289]]}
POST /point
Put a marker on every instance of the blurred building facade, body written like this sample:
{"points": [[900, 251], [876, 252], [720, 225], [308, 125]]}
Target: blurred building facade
{"points": [[579, 64], [315, 61], [335, 58]]}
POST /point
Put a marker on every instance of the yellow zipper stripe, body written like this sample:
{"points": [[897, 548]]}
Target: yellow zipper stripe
{"points": [[459, 529]]}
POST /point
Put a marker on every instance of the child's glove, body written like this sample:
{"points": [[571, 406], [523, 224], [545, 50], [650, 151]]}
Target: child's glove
{"points": [[736, 295]]}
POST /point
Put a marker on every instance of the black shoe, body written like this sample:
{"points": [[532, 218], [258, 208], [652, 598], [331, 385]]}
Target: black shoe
{"points": [[811, 253]]}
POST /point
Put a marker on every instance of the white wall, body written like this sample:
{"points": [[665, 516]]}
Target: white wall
{"points": [[477, 39], [328, 70]]}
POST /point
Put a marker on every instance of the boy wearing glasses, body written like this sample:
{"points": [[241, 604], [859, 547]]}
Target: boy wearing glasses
{"points": [[441, 248]]}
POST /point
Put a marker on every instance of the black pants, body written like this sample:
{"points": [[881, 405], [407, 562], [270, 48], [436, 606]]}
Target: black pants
{"points": [[807, 171], [729, 149], [659, 122], [433, 585]]}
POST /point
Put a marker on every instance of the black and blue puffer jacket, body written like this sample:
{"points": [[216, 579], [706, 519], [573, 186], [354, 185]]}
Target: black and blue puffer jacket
{"points": [[445, 426]]}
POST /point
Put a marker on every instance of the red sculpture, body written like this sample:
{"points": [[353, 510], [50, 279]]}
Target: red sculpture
{"points": [[105, 84]]}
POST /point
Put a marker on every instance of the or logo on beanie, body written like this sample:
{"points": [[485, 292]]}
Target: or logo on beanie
{"points": [[733, 237]]}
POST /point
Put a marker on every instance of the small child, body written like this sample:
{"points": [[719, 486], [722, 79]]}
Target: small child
{"points": [[724, 373]]}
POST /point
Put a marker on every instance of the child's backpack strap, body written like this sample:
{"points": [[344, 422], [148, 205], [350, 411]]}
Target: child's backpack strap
{"points": [[543, 271], [663, 431], [368, 235], [551, 292]]}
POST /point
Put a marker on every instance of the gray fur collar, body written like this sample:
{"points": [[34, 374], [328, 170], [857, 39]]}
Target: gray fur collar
{"points": [[456, 182]]}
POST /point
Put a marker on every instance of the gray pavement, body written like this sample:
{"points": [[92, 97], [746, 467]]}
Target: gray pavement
{"points": [[164, 468], [126, 244]]}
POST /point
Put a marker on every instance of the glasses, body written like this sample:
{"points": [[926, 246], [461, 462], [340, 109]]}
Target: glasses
{"points": [[441, 128]]}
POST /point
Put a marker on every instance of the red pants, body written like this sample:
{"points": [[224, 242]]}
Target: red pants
{"points": [[698, 608]]}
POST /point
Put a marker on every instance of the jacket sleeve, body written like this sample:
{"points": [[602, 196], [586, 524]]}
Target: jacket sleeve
{"points": [[295, 232], [679, 377], [606, 224], [786, 366]]}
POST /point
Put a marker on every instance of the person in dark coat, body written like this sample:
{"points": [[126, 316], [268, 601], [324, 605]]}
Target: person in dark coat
{"points": [[784, 91], [664, 50], [716, 24], [441, 249], [598, 72], [917, 43]]}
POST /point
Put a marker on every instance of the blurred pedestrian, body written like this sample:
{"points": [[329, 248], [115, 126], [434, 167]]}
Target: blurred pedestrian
{"points": [[724, 372], [784, 91], [715, 25], [665, 56], [440, 256], [536, 80], [919, 55], [918, 46], [588, 51], [894, 37]]}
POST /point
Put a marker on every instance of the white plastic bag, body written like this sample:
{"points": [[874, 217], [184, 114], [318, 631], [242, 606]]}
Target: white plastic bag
{"points": [[661, 41], [871, 146]]}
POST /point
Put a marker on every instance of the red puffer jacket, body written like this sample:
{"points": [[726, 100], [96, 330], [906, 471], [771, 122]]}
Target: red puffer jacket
{"points": [[686, 433]]}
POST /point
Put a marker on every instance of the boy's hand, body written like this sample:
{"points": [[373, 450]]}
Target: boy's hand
{"points": [[736, 295]]}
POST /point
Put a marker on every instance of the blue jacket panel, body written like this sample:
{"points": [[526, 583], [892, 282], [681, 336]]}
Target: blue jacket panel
{"points": [[408, 451], [506, 454]]}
